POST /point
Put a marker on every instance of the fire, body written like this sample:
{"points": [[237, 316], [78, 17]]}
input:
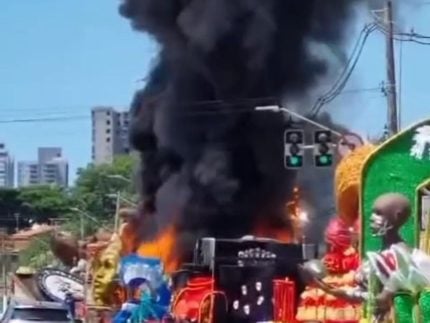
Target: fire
{"points": [[161, 247], [295, 214]]}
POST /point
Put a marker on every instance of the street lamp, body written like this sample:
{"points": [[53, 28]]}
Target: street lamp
{"points": [[85, 214], [122, 198], [120, 177], [119, 198], [277, 108]]}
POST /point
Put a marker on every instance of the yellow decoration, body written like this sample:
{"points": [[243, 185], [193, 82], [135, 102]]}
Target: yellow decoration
{"points": [[105, 267], [347, 182]]}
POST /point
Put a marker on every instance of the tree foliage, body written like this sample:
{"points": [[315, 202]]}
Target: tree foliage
{"points": [[38, 204], [97, 185], [93, 193]]}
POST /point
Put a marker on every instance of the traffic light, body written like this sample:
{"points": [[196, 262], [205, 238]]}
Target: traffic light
{"points": [[293, 145], [323, 150]]}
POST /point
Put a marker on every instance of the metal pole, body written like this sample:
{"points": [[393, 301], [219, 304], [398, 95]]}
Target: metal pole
{"points": [[392, 113], [3, 258], [118, 201], [82, 227], [17, 222], [298, 116]]}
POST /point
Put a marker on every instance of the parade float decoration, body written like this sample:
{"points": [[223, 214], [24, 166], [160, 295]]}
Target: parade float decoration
{"points": [[402, 164], [148, 290], [341, 258], [341, 261], [104, 268], [423, 209], [235, 280], [56, 284], [391, 224]]}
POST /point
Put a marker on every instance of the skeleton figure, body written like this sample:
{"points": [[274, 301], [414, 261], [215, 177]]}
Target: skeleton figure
{"points": [[396, 267], [422, 142]]}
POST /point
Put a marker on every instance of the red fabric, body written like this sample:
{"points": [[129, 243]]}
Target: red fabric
{"points": [[285, 304], [187, 304]]}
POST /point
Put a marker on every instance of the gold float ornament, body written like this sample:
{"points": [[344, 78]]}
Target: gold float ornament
{"points": [[105, 267], [347, 182]]}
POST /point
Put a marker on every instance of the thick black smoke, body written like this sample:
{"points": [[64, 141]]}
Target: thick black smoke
{"points": [[208, 160]]}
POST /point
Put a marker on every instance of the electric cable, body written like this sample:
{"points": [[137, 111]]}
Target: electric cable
{"points": [[340, 84]]}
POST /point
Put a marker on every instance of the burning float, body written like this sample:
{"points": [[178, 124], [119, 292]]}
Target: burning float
{"points": [[214, 187], [256, 279]]}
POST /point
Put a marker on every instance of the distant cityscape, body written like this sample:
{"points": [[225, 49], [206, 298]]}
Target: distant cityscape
{"points": [[110, 128]]}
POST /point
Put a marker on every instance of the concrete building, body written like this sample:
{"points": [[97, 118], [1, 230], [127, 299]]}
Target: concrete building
{"points": [[50, 169], [109, 134], [28, 173], [7, 168]]}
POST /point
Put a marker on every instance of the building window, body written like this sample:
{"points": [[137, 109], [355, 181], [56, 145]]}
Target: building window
{"points": [[108, 122], [108, 139], [108, 113], [107, 130]]}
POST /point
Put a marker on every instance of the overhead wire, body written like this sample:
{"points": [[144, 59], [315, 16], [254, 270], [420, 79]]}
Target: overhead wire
{"points": [[401, 36], [46, 119], [347, 71]]}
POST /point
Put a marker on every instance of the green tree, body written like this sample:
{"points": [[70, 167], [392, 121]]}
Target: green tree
{"points": [[10, 205], [42, 203], [20, 207], [96, 185]]}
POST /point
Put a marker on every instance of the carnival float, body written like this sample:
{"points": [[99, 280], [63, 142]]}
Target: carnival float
{"points": [[376, 267]]}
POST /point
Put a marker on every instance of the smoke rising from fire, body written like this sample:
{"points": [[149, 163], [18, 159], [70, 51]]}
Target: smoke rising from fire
{"points": [[210, 164]]}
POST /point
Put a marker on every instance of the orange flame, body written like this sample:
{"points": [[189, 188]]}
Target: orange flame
{"points": [[161, 247], [292, 211]]}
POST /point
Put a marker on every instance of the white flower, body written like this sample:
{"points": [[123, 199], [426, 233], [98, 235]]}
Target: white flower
{"points": [[421, 142]]}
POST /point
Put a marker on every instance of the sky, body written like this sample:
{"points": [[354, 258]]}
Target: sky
{"points": [[61, 58]]}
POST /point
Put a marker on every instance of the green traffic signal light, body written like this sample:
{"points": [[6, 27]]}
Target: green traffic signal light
{"points": [[295, 160], [324, 160]]}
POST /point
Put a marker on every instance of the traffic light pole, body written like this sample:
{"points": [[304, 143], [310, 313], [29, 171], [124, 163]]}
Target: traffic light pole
{"points": [[276, 108]]}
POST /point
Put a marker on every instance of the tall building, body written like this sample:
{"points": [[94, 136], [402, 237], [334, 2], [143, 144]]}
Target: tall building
{"points": [[50, 169], [7, 168], [46, 154], [28, 173], [109, 134]]}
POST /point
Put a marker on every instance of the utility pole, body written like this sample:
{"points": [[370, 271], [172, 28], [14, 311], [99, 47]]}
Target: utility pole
{"points": [[3, 260], [117, 208], [82, 227], [392, 115]]}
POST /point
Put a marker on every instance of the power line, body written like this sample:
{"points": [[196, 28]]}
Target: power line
{"points": [[412, 36], [53, 119], [342, 80], [250, 109], [41, 117]]}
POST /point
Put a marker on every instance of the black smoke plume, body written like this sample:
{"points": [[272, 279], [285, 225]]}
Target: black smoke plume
{"points": [[209, 162]]}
